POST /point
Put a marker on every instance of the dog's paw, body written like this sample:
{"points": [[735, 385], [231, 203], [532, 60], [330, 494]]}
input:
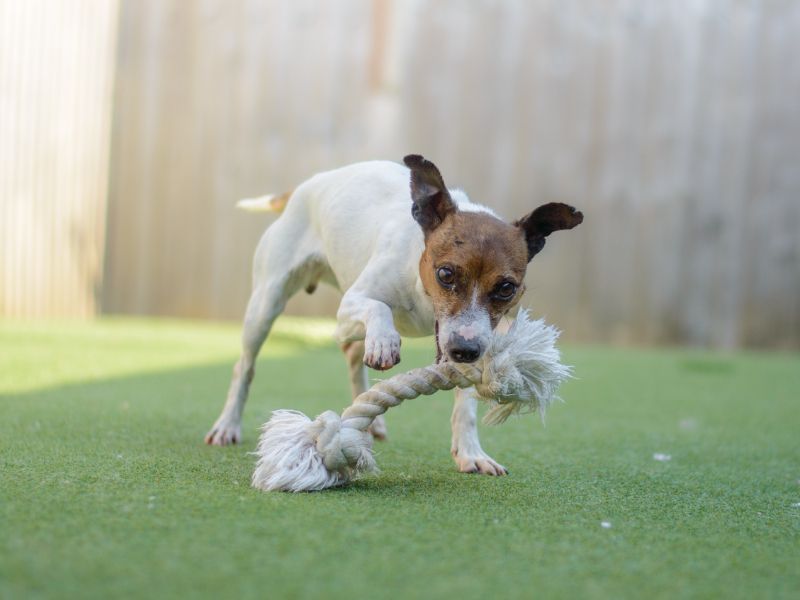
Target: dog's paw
{"points": [[224, 432], [378, 428], [382, 352], [478, 463]]}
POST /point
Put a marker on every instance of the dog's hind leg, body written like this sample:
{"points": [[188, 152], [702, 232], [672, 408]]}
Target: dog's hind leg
{"points": [[359, 382], [279, 271], [266, 303]]}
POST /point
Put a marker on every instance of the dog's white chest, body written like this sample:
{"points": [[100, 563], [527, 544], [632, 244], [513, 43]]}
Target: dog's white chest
{"points": [[416, 319]]}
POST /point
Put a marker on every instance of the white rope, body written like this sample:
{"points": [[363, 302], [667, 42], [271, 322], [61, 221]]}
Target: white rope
{"points": [[520, 372]]}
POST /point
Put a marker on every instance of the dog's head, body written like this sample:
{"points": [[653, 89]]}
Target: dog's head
{"points": [[474, 264]]}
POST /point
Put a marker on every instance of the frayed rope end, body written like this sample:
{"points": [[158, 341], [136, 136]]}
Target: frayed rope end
{"points": [[522, 370], [296, 454]]}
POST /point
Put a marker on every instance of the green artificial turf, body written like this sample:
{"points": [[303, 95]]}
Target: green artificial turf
{"points": [[106, 489]]}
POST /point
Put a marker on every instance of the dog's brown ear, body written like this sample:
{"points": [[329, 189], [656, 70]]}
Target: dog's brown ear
{"points": [[432, 201], [545, 220]]}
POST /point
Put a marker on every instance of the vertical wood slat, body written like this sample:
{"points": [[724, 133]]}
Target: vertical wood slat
{"points": [[56, 73]]}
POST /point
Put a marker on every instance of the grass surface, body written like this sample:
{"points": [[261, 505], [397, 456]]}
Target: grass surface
{"points": [[106, 489]]}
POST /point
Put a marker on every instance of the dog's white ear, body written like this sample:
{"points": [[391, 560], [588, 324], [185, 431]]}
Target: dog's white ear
{"points": [[432, 201], [545, 220]]}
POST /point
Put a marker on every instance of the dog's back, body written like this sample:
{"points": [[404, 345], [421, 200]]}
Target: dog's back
{"points": [[346, 216]]}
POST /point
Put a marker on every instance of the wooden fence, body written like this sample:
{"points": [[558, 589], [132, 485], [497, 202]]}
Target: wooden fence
{"points": [[56, 77], [674, 125]]}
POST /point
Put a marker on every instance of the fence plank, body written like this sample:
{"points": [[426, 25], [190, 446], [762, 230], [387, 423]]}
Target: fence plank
{"points": [[56, 76]]}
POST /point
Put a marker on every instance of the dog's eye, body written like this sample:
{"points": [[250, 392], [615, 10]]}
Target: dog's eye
{"points": [[505, 291], [446, 276]]}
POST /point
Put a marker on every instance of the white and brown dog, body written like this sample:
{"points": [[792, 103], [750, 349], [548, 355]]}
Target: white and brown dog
{"points": [[438, 264]]}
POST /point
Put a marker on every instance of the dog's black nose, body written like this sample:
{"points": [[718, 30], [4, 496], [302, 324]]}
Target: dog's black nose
{"points": [[463, 350]]}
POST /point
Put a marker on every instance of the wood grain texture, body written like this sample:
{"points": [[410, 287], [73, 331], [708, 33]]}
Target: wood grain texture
{"points": [[56, 78], [673, 126]]}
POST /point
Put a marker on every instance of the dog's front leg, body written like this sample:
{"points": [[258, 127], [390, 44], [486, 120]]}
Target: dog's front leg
{"points": [[466, 447], [363, 318], [359, 382]]}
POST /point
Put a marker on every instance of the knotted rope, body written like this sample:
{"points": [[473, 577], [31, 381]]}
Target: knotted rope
{"points": [[520, 371]]}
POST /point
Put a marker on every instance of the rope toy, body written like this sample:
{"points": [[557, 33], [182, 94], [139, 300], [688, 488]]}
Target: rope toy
{"points": [[519, 373]]}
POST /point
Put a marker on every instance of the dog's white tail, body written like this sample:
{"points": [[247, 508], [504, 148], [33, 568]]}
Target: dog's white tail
{"points": [[269, 203]]}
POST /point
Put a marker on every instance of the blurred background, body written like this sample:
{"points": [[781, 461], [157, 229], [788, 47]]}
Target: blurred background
{"points": [[129, 129]]}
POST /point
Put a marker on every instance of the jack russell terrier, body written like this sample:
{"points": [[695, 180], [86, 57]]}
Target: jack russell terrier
{"points": [[436, 265]]}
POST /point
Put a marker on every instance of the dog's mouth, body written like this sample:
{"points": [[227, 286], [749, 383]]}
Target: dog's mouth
{"points": [[439, 354]]}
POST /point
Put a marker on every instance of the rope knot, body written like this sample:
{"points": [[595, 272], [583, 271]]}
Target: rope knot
{"points": [[325, 433], [342, 448]]}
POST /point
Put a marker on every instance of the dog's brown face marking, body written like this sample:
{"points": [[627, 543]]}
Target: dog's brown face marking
{"points": [[474, 258], [474, 264]]}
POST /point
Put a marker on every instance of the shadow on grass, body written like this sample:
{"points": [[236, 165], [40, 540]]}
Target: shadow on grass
{"points": [[172, 407], [165, 414]]}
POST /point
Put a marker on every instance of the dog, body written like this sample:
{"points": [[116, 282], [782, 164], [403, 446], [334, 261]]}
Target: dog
{"points": [[432, 263]]}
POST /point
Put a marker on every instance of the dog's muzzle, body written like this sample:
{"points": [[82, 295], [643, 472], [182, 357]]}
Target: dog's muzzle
{"points": [[463, 350]]}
